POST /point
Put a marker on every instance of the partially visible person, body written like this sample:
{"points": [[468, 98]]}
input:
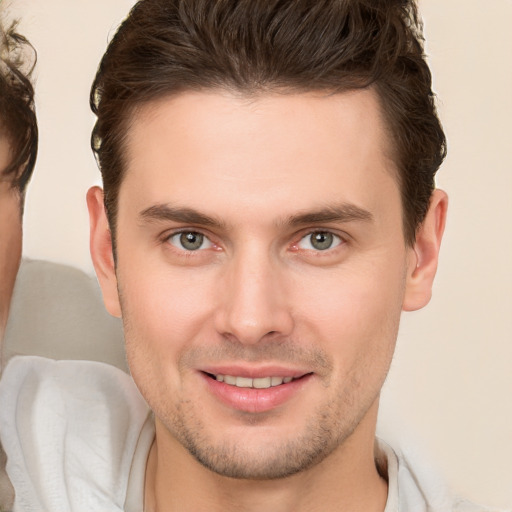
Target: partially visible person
{"points": [[18, 151]]}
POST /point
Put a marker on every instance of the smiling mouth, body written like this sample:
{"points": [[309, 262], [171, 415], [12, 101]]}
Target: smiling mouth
{"points": [[256, 383]]}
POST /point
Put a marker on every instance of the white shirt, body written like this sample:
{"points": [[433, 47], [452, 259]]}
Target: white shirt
{"points": [[77, 435], [71, 430]]}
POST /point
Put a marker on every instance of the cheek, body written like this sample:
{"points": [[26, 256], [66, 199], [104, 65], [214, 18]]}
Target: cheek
{"points": [[355, 313], [164, 310], [10, 255]]}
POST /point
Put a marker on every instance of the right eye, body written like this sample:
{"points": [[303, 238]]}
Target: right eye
{"points": [[190, 241]]}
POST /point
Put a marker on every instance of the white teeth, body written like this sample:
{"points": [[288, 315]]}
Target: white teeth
{"points": [[262, 383], [243, 382], [258, 383], [228, 379], [276, 381]]}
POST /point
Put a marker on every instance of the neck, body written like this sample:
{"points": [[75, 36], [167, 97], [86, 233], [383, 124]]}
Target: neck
{"points": [[347, 479]]}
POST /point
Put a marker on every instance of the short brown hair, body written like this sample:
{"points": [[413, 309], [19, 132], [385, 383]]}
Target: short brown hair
{"points": [[168, 46], [18, 121]]}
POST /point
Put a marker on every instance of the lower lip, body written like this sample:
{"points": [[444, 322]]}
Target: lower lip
{"points": [[255, 400]]}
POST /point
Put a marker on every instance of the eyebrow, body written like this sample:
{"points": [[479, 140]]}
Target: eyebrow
{"points": [[344, 212], [165, 212]]}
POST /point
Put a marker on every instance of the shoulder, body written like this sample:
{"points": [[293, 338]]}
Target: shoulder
{"points": [[28, 380], [467, 506], [415, 485], [70, 429]]}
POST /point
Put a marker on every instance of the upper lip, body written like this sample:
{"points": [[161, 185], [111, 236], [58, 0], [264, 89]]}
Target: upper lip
{"points": [[254, 372]]}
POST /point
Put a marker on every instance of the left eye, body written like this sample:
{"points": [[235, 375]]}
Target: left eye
{"points": [[190, 241], [319, 241]]}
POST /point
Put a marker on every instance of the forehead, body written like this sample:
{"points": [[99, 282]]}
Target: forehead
{"points": [[284, 149]]}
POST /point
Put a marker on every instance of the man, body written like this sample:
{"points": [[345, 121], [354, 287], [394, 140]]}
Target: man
{"points": [[18, 150], [268, 211]]}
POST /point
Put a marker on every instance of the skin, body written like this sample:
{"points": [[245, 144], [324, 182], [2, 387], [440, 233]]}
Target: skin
{"points": [[262, 172], [10, 256], [10, 237]]}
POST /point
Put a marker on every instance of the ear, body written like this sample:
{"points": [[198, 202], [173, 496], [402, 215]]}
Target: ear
{"points": [[101, 250], [423, 257]]}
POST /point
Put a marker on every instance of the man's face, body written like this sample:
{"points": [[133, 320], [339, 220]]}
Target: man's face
{"points": [[10, 236], [260, 240]]}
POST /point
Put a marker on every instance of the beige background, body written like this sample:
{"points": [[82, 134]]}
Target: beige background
{"points": [[452, 378]]}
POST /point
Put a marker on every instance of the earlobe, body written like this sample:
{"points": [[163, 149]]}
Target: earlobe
{"points": [[424, 256], [101, 250]]}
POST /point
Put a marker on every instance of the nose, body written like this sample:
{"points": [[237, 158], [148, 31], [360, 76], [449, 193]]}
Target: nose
{"points": [[253, 305]]}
